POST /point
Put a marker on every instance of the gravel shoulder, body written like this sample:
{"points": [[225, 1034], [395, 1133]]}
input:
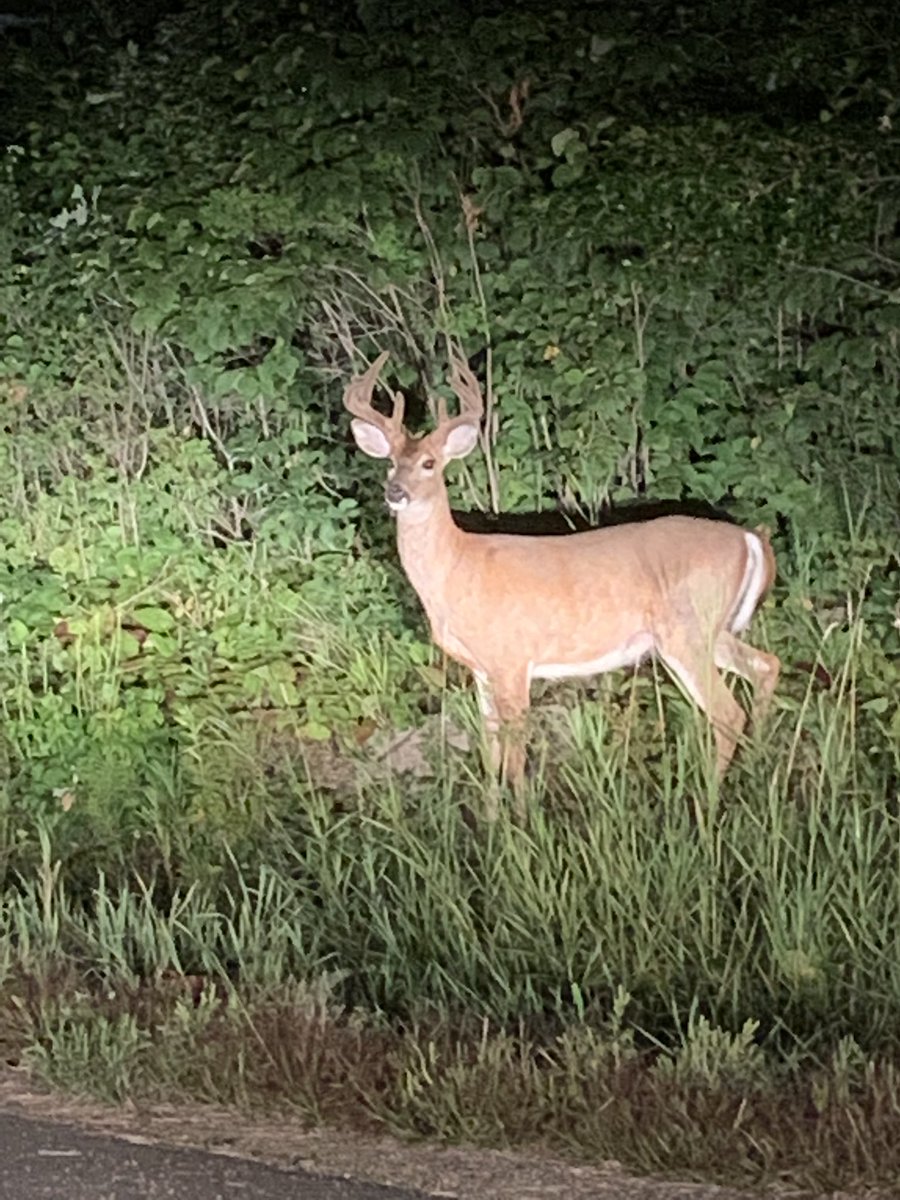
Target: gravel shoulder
{"points": [[459, 1173]]}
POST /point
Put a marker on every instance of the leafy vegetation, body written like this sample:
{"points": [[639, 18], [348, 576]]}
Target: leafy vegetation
{"points": [[670, 244]]}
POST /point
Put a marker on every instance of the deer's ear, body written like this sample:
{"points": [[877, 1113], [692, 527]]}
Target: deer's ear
{"points": [[370, 439], [460, 441]]}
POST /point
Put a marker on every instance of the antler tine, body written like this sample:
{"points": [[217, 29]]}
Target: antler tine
{"points": [[358, 399], [467, 390]]}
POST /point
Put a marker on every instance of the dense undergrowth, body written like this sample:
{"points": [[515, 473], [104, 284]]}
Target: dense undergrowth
{"points": [[670, 244]]}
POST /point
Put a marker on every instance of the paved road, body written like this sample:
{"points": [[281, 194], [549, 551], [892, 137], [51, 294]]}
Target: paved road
{"points": [[42, 1160]]}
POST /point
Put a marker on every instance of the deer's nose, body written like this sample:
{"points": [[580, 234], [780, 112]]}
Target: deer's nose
{"points": [[395, 493]]}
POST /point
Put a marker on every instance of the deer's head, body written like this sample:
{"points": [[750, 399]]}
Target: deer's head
{"points": [[416, 475]]}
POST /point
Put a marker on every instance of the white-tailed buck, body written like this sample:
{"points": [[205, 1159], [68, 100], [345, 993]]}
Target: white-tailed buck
{"points": [[513, 608]]}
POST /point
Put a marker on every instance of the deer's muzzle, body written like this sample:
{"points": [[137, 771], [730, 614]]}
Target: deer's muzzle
{"points": [[396, 494]]}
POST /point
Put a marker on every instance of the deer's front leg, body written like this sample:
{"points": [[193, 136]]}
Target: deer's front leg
{"points": [[491, 748], [504, 703]]}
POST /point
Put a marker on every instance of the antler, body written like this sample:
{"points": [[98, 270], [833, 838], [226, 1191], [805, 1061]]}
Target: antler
{"points": [[358, 400], [468, 392]]}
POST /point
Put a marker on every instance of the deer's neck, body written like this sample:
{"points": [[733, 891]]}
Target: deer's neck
{"points": [[429, 544]]}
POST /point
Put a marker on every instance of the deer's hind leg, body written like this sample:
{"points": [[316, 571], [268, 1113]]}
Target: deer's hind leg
{"points": [[760, 669], [694, 665]]}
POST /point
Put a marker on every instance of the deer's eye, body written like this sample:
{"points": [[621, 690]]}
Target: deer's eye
{"points": [[428, 464]]}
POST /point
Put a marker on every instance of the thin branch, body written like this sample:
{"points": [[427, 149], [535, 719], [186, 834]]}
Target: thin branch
{"points": [[841, 275], [487, 437]]}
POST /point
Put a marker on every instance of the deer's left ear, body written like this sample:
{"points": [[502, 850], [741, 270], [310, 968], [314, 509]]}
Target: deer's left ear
{"points": [[460, 441]]}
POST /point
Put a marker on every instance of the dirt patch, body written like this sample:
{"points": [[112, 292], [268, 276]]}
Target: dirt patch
{"points": [[438, 1171]]}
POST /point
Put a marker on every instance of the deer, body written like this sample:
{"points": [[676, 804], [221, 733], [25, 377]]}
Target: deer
{"points": [[517, 607]]}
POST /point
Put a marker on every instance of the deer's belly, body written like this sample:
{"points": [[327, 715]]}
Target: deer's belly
{"points": [[626, 655]]}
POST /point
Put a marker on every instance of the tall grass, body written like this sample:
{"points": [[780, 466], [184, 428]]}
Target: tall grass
{"points": [[646, 942], [775, 897]]}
